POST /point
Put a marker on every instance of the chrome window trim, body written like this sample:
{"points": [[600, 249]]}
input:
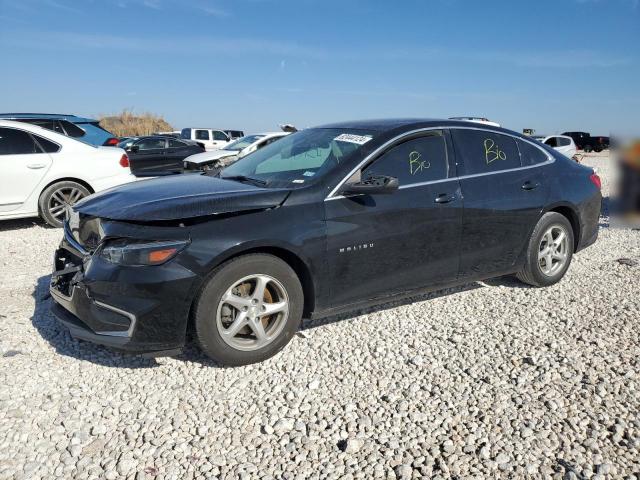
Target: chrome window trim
{"points": [[332, 195]]}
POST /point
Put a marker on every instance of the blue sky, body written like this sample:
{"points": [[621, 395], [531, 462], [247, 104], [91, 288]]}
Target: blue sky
{"points": [[552, 65]]}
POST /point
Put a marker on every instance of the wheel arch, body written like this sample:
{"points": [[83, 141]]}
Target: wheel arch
{"points": [[571, 214], [299, 266], [64, 179], [68, 179]]}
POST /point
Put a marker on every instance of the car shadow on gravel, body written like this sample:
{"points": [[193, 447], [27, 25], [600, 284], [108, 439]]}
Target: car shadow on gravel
{"points": [[58, 336], [9, 225], [60, 339]]}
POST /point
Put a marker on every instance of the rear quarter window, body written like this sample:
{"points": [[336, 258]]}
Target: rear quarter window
{"points": [[530, 154], [47, 145], [483, 151]]}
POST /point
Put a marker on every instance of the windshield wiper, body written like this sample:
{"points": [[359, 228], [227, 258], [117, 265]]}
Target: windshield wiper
{"points": [[244, 178]]}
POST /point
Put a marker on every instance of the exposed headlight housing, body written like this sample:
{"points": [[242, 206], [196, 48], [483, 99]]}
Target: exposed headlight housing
{"points": [[131, 252]]}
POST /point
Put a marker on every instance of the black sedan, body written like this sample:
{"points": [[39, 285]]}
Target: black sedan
{"points": [[159, 155], [325, 220]]}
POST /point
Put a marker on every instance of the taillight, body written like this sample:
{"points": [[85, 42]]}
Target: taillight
{"points": [[111, 142], [124, 161], [595, 179]]}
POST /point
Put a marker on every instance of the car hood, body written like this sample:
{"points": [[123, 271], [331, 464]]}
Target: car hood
{"points": [[179, 197], [209, 156]]}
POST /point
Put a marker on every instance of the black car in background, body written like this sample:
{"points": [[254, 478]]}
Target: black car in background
{"points": [[159, 155], [584, 141], [324, 220]]}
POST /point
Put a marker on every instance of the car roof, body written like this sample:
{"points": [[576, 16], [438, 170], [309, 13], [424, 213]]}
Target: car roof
{"points": [[383, 125], [52, 116]]}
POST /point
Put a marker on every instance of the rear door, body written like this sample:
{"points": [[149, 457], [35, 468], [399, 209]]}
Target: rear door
{"points": [[503, 200], [177, 152], [23, 164], [150, 157], [382, 244]]}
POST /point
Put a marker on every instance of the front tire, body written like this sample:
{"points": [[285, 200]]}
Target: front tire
{"points": [[249, 310], [549, 252], [56, 198]]}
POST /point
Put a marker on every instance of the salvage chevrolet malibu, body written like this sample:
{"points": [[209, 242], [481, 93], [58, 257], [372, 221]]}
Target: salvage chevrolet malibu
{"points": [[324, 220]]}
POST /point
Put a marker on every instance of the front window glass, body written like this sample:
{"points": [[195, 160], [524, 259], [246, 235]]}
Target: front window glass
{"points": [[422, 159], [243, 142], [220, 136], [301, 157]]}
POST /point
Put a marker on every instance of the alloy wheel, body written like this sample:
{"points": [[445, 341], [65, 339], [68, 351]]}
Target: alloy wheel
{"points": [[61, 199], [252, 312], [553, 251]]}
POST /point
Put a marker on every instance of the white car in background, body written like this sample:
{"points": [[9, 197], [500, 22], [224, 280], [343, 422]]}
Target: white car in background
{"points": [[235, 150], [44, 172], [209, 138], [561, 143]]}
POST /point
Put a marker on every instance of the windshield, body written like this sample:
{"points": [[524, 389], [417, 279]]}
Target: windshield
{"points": [[243, 142], [300, 157]]}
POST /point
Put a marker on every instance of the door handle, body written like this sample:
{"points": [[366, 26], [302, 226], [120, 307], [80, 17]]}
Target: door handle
{"points": [[36, 166], [529, 185], [445, 198]]}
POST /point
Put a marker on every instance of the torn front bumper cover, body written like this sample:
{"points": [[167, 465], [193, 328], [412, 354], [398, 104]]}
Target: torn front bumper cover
{"points": [[90, 319]]}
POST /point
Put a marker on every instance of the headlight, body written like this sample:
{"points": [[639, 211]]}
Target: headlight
{"points": [[128, 252]]}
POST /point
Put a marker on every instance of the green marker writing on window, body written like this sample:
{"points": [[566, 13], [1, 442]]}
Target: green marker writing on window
{"points": [[415, 164], [492, 152]]}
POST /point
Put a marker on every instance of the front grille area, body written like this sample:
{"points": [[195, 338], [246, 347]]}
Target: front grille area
{"points": [[67, 271]]}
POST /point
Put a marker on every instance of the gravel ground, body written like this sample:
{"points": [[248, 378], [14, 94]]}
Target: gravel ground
{"points": [[491, 380]]}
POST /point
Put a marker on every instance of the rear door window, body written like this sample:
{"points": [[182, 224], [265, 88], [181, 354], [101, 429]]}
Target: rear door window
{"points": [[421, 159], [151, 144], [176, 143], [202, 134], [483, 151], [530, 154], [563, 142], [16, 142], [185, 133]]}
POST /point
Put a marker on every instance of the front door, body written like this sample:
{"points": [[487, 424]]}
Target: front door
{"points": [[23, 166], [385, 244], [503, 200]]}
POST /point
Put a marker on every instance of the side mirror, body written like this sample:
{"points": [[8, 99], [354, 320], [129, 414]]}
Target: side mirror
{"points": [[134, 148], [373, 185]]}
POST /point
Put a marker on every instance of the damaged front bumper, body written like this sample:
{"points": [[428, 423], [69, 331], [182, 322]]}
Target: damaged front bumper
{"points": [[142, 310]]}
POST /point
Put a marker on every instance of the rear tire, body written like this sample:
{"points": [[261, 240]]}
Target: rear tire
{"points": [[230, 322], [56, 198], [549, 252]]}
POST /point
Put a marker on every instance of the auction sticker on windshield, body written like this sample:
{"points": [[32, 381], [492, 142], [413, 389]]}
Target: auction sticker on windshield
{"points": [[348, 137]]}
